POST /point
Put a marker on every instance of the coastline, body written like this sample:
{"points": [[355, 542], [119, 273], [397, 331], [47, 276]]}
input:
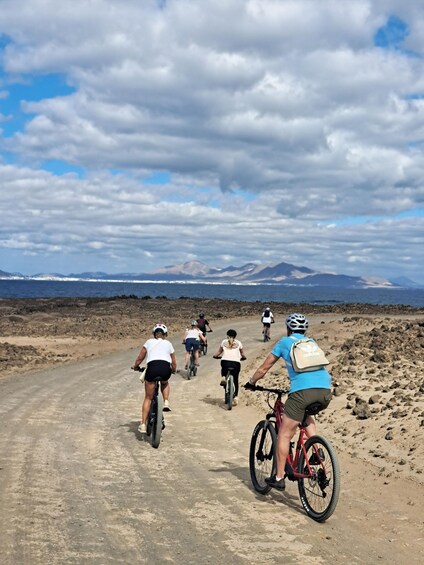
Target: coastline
{"points": [[39, 332]]}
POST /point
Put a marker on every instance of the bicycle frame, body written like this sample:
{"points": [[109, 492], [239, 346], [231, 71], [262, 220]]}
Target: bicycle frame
{"points": [[292, 462]]}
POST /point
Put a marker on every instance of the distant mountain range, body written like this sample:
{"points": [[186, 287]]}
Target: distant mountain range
{"points": [[250, 273]]}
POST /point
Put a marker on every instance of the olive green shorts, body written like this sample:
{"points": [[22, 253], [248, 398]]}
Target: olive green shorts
{"points": [[298, 401]]}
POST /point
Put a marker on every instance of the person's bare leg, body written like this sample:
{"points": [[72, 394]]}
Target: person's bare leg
{"points": [[285, 434], [149, 389], [311, 428], [164, 385]]}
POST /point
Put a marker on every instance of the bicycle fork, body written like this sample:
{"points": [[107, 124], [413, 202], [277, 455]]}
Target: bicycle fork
{"points": [[260, 455]]}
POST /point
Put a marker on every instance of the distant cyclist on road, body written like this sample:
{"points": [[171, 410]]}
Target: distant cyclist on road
{"points": [[267, 319], [192, 338], [231, 353], [305, 388], [202, 324], [160, 363]]}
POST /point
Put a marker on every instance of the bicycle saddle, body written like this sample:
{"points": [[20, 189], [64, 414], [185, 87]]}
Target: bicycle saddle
{"points": [[314, 408]]}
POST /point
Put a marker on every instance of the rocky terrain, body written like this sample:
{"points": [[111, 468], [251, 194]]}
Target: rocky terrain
{"points": [[376, 354]]}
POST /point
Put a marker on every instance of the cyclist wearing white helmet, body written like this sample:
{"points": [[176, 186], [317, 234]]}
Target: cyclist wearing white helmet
{"points": [[267, 319], [160, 364], [305, 388], [192, 338]]}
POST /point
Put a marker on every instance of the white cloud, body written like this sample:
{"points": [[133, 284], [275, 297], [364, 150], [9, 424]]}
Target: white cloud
{"points": [[288, 100]]}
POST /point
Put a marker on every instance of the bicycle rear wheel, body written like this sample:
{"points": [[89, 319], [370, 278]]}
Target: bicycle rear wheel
{"points": [[262, 455], [157, 421], [229, 390], [319, 493]]}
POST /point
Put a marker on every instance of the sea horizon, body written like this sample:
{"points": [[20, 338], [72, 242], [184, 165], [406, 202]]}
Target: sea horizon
{"points": [[246, 292]]}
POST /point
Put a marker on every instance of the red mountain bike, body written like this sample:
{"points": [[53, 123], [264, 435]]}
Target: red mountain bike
{"points": [[313, 464]]}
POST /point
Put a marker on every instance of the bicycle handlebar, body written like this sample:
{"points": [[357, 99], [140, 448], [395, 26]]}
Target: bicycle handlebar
{"points": [[280, 391], [219, 357], [138, 369]]}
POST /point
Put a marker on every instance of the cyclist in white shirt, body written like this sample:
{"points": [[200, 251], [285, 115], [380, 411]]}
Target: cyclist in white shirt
{"points": [[231, 353], [160, 363], [267, 319], [192, 338]]}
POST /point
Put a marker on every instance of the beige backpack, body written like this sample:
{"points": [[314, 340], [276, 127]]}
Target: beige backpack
{"points": [[306, 355]]}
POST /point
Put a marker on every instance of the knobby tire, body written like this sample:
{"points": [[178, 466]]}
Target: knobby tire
{"points": [[229, 391], [157, 423], [319, 494]]}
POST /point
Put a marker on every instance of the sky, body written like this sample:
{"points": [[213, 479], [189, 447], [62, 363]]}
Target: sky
{"points": [[139, 134]]}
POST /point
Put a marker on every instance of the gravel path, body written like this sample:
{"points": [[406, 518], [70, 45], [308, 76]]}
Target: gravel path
{"points": [[78, 485]]}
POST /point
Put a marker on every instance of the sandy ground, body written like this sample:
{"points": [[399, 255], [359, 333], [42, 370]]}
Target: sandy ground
{"points": [[375, 421]]}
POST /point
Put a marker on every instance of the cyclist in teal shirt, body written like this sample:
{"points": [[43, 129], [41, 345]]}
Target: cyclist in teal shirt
{"points": [[305, 388], [300, 381]]}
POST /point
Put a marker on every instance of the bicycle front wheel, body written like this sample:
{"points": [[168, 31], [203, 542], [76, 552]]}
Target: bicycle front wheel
{"points": [[319, 492], [229, 391], [157, 422], [262, 455]]}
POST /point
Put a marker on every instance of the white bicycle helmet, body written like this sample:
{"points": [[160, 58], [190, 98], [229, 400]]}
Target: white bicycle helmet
{"points": [[297, 322], [194, 323], [160, 328]]}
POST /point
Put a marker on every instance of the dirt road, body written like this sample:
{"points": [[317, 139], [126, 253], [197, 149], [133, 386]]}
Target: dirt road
{"points": [[79, 486]]}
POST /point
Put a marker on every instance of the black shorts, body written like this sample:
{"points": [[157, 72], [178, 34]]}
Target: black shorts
{"points": [[233, 366], [158, 371], [266, 325]]}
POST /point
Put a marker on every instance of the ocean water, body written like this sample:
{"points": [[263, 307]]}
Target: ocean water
{"points": [[247, 293]]}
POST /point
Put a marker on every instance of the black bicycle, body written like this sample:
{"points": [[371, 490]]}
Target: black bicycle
{"points": [[229, 387], [265, 333], [155, 421], [192, 367], [203, 347]]}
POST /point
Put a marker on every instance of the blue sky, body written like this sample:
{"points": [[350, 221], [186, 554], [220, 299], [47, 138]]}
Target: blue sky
{"points": [[137, 135]]}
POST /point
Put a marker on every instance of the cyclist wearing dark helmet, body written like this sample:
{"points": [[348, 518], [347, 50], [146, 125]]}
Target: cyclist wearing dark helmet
{"points": [[305, 388], [231, 353], [203, 323], [160, 363]]}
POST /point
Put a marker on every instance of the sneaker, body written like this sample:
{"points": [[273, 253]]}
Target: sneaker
{"points": [[272, 482], [142, 428], [166, 406], [314, 460], [235, 401], [223, 381]]}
